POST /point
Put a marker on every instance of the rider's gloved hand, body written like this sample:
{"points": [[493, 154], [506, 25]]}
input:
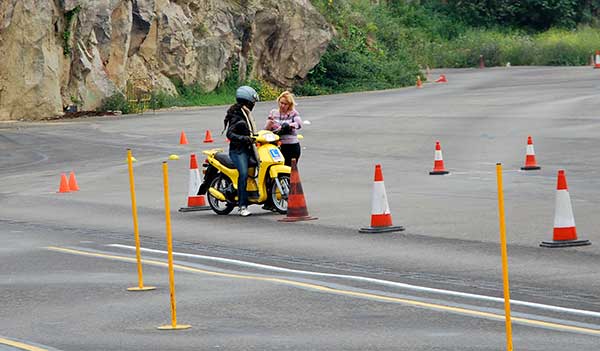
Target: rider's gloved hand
{"points": [[246, 140]]}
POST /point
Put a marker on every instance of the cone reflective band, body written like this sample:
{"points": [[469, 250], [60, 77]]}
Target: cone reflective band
{"points": [[381, 218], [438, 161], [530, 163], [597, 59], [565, 232], [195, 202]]}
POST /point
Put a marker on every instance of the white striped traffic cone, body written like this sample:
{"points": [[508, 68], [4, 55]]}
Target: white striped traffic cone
{"points": [[438, 162], [565, 232], [530, 163], [597, 59], [381, 219], [195, 202]]}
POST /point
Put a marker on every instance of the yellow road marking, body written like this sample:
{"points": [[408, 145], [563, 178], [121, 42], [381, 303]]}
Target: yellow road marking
{"points": [[20, 345], [409, 302]]}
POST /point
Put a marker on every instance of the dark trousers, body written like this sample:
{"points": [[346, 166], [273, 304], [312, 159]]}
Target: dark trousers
{"points": [[289, 152], [240, 160]]}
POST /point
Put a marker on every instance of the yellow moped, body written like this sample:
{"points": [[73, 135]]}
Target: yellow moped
{"points": [[268, 177]]}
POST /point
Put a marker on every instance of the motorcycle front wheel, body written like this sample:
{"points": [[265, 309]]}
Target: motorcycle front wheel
{"points": [[220, 183], [278, 200]]}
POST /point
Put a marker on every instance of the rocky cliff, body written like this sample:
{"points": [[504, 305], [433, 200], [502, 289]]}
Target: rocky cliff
{"points": [[54, 53]]}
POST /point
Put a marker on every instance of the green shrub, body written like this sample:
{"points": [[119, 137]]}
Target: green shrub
{"points": [[116, 102]]}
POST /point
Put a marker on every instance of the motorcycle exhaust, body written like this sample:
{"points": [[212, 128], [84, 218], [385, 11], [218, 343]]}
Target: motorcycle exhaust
{"points": [[217, 194]]}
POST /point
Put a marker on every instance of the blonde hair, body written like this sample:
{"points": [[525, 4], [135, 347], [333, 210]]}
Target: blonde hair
{"points": [[289, 97]]}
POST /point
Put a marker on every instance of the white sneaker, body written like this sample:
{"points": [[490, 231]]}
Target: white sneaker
{"points": [[244, 212]]}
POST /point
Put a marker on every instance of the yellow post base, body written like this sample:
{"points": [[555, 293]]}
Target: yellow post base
{"points": [[145, 288], [171, 327]]}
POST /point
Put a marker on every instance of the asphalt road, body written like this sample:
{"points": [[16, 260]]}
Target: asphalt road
{"points": [[67, 259]]}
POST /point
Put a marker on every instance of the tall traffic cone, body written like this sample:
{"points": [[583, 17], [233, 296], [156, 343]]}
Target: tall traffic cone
{"points": [[597, 59], [438, 160], [441, 79], [64, 184], [381, 219], [530, 163], [419, 83], [565, 233], [208, 137], [73, 182], [481, 62], [296, 210], [195, 202], [183, 139]]}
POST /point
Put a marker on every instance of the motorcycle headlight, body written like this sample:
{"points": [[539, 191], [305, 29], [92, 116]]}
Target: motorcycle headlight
{"points": [[270, 137]]}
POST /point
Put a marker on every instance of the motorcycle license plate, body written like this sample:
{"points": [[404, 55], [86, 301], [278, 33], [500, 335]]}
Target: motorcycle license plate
{"points": [[277, 156]]}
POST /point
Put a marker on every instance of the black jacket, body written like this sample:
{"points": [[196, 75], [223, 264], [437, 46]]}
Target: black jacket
{"points": [[238, 130]]}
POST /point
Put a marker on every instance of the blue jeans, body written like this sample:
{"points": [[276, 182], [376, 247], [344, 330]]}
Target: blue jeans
{"points": [[240, 160]]}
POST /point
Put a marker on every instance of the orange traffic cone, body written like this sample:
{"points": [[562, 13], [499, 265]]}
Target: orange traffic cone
{"points": [[597, 59], [438, 161], [208, 137], [530, 163], [296, 210], [73, 182], [441, 79], [419, 83], [481, 62], [183, 139], [64, 184], [195, 202], [381, 219], [565, 233]]}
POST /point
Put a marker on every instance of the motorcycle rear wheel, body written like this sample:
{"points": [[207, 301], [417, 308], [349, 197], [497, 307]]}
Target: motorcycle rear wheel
{"points": [[220, 207], [277, 200]]}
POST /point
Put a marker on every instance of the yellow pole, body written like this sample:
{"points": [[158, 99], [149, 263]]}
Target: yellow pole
{"points": [[136, 233], [509, 346], [170, 254]]}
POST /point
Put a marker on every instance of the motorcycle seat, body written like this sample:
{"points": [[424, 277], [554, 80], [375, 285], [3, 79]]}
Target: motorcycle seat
{"points": [[225, 160]]}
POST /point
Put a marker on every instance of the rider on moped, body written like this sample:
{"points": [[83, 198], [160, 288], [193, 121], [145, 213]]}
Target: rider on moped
{"points": [[240, 128]]}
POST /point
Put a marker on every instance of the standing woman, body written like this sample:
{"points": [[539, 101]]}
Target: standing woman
{"points": [[240, 129], [285, 121]]}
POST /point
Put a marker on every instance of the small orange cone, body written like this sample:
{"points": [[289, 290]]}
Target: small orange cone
{"points": [[530, 163], [183, 139], [481, 62], [73, 182], [208, 137], [419, 83], [296, 210], [438, 162], [64, 184], [441, 79], [565, 232], [597, 59], [195, 202], [381, 219]]}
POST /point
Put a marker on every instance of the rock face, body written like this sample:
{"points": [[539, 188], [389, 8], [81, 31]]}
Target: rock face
{"points": [[55, 53]]}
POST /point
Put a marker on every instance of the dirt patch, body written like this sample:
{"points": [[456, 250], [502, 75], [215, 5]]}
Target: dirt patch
{"points": [[81, 114]]}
